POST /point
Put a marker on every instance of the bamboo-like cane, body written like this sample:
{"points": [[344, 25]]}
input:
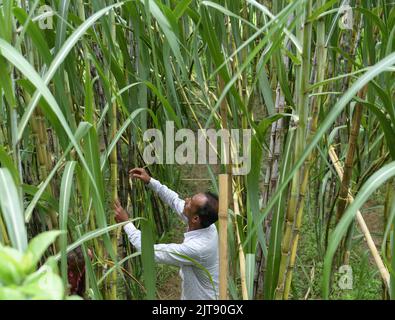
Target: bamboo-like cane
{"points": [[112, 281], [362, 224], [242, 260], [223, 235], [348, 164], [304, 34]]}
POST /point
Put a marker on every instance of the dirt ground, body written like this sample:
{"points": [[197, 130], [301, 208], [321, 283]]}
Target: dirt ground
{"points": [[373, 214]]}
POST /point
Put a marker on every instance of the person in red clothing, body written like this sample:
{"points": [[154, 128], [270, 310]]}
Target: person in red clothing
{"points": [[76, 271]]}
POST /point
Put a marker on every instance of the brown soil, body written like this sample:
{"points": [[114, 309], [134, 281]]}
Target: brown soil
{"points": [[374, 218], [171, 289]]}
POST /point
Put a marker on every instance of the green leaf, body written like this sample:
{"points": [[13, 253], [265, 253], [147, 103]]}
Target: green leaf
{"points": [[250, 271], [44, 284], [167, 30], [57, 61], [7, 162], [47, 201], [64, 201], [10, 267], [5, 82], [37, 247], [11, 208], [11, 293], [180, 8], [92, 235]]}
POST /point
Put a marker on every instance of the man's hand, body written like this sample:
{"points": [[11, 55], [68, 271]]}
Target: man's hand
{"points": [[120, 213], [141, 174]]}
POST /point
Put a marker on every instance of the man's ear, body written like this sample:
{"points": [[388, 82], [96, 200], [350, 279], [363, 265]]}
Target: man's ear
{"points": [[196, 218]]}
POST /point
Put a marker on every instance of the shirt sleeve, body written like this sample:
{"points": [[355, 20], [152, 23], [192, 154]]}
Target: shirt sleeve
{"points": [[171, 253], [169, 197]]}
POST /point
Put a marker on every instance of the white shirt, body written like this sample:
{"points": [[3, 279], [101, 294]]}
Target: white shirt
{"points": [[200, 245]]}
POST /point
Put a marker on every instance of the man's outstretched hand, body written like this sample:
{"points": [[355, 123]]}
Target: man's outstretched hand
{"points": [[141, 174], [120, 213]]}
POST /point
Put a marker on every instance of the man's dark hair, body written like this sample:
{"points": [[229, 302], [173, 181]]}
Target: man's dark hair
{"points": [[208, 213]]}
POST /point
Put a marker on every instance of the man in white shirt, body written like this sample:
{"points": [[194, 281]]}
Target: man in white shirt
{"points": [[200, 246]]}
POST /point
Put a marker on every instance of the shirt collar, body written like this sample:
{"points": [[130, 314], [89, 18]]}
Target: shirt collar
{"points": [[193, 233]]}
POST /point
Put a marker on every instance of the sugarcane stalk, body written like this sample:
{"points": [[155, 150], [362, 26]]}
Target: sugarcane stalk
{"points": [[270, 182], [242, 261], [320, 58], [348, 164], [302, 106], [223, 235], [389, 196], [225, 185], [345, 185], [112, 283], [392, 249], [39, 133], [13, 113]]}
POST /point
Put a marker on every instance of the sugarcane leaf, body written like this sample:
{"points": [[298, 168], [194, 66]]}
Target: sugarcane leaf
{"points": [[11, 208], [113, 268], [167, 30], [6, 20], [250, 271], [321, 10], [169, 109], [7, 162], [47, 201], [180, 8], [227, 12], [5, 82], [56, 62], [92, 235], [64, 201], [386, 126]]}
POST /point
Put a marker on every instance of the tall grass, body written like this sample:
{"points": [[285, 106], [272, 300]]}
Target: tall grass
{"points": [[75, 101]]}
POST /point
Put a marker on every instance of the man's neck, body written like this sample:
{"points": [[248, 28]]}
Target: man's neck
{"points": [[193, 227]]}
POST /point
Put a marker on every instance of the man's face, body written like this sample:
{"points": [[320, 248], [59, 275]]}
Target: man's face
{"points": [[192, 205]]}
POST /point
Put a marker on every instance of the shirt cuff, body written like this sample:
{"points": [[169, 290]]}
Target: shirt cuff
{"points": [[153, 183], [129, 228]]}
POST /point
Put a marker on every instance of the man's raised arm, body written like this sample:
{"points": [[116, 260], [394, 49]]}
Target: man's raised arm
{"points": [[167, 195], [171, 253]]}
